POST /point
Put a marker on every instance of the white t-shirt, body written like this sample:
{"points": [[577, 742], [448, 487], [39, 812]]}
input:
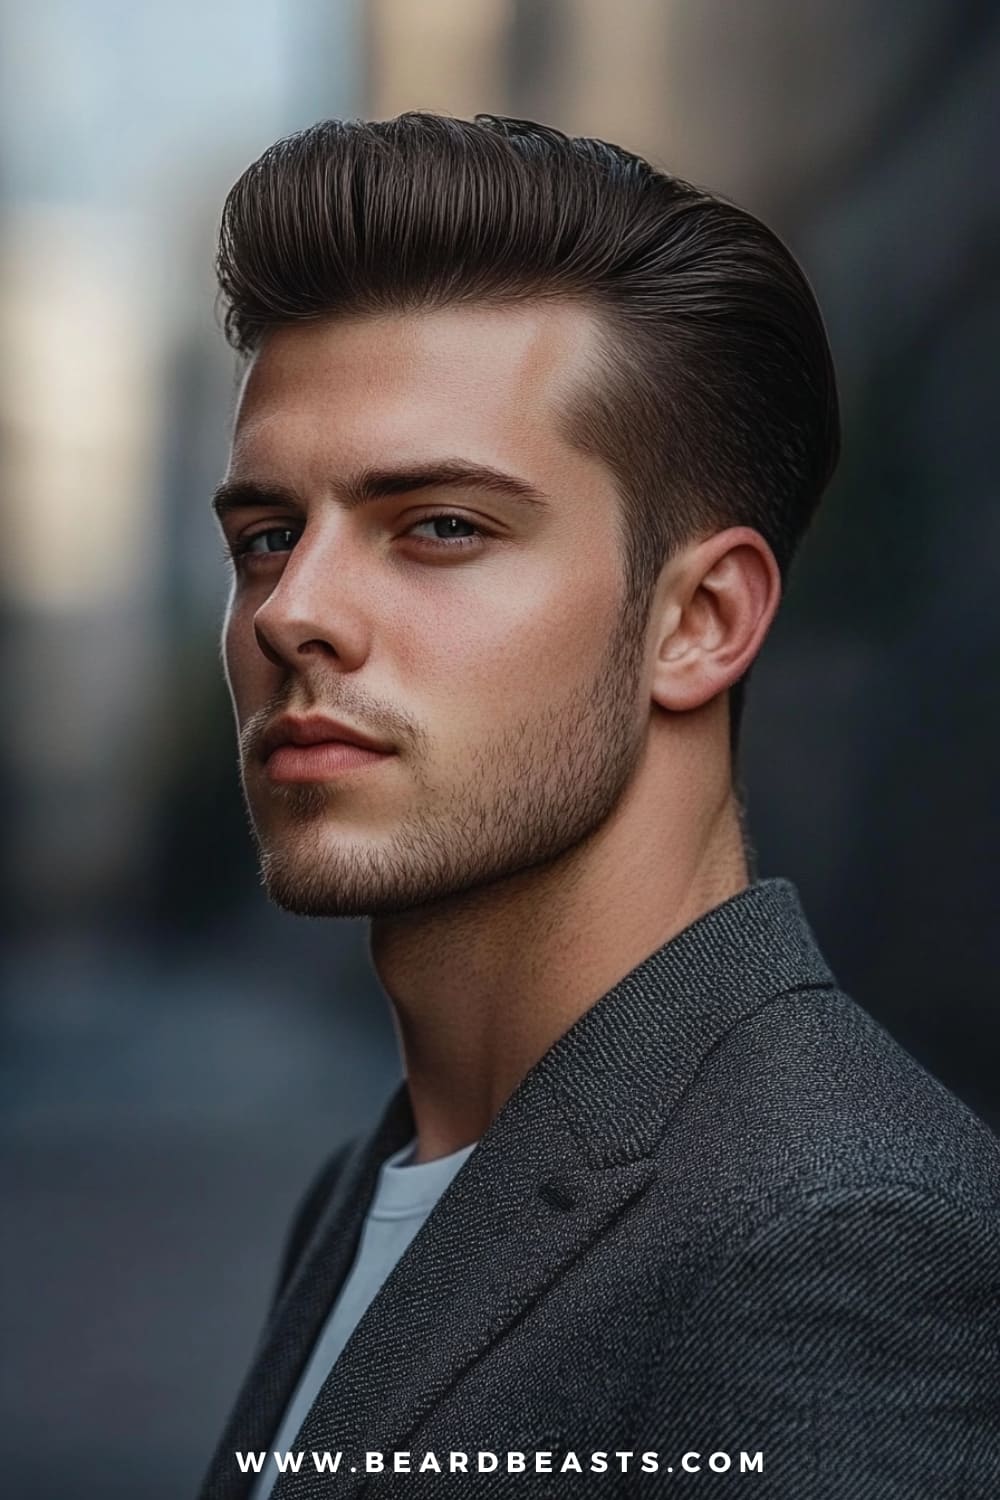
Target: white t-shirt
{"points": [[404, 1195]]}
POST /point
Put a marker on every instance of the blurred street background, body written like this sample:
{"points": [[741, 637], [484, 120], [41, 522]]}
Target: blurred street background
{"points": [[178, 1056]]}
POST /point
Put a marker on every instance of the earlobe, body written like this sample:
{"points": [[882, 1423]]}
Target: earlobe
{"points": [[716, 608]]}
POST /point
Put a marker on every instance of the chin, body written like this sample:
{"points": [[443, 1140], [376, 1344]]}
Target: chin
{"points": [[301, 902], [306, 896], [305, 878]]}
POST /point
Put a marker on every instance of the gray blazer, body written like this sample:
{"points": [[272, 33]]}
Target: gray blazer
{"points": [[724, 1214]]}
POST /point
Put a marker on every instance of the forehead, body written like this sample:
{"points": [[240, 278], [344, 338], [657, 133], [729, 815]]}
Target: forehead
{"points": [[488, 383]]}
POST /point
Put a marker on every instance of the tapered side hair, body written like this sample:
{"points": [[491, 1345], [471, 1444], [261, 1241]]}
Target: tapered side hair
{"points": [[715, 400]]}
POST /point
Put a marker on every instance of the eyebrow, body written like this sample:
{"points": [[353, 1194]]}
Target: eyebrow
{"points": [[372, 484]]}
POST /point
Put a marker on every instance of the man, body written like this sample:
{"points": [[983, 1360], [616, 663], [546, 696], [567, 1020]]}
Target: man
{"points": [[528, 436]]}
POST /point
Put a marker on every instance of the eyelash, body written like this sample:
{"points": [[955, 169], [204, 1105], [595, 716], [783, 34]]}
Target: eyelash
{"points": [[239, 552]]}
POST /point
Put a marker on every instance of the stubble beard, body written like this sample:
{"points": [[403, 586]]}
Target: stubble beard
{"points": [[534, 794]]}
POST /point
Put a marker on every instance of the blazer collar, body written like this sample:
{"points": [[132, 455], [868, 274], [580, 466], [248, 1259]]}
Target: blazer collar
{"points": [[571, 1150], [620, 1070]]}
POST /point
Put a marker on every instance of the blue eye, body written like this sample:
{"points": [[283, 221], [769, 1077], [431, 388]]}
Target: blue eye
{"points": [[248, 547], [447, 533], [448, 529]]}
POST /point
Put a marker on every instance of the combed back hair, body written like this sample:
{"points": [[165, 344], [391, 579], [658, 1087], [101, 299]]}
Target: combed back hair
{"points": [[714, 403]]}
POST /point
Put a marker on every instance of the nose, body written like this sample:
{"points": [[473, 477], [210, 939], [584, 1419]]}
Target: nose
{"points": [[311, 610]]}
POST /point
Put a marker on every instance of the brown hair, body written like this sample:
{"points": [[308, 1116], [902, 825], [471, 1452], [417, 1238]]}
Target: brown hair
{"points": [[718, 405]]}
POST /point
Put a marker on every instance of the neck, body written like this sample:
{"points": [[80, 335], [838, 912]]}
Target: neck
{"points": [[482, 983]]}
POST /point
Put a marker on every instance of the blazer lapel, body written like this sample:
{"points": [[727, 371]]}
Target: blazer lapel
{"points": [[521, 1208], [572, 1149], [295, 1322]]}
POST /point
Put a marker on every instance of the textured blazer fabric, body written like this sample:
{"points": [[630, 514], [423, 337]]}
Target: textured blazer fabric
{"points": [[724, 1215]]}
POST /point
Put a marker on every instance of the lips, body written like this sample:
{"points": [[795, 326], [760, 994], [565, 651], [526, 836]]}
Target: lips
{"points": [[317, 748], [323, 762], [315, 729]]}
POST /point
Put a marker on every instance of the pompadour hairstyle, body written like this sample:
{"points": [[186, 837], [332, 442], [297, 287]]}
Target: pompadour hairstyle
{"points": [[716, 404]]}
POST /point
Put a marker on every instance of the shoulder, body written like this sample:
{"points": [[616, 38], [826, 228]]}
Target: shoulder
{"points": [[828, 1260], [887, 1266], [830, 1242], [811, 1093]]}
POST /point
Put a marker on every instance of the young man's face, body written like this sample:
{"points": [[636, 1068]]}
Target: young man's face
{"points": [[478, 650]]}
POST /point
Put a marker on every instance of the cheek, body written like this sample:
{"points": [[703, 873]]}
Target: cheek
{"points": [[504, 652]]}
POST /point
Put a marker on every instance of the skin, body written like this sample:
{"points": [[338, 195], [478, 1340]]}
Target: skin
{"points": [[559, 800]]}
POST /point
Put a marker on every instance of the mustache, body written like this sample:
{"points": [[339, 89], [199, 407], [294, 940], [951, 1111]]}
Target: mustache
{"points": [[372, 717]]}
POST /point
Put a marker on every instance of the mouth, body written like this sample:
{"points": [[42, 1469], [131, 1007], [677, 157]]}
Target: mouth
{"points": [[326, 761]]}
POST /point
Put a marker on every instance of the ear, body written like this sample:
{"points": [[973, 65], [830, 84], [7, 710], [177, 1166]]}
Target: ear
{"points": [[714, 604]]}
